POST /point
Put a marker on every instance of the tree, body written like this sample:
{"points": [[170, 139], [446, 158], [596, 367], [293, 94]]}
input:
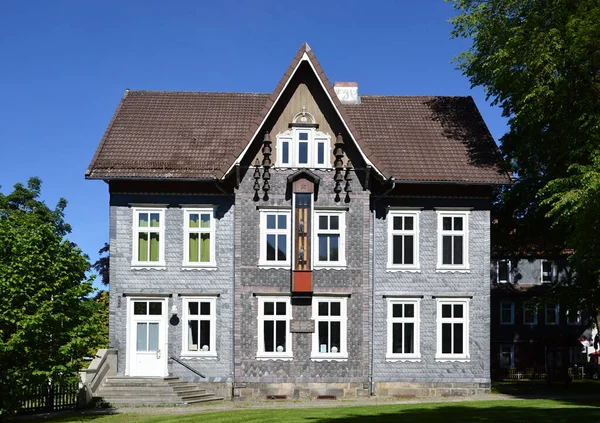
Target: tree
{"points": [[47, 317], [539, 60], [102, 265]]}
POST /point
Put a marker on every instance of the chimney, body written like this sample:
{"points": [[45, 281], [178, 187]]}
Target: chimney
{"points": [[347, 92]]}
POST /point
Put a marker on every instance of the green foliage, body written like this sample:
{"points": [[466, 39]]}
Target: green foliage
{"points": [[47, 319], [539, 60]]}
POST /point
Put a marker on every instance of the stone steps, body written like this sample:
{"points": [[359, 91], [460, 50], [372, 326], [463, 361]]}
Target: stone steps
{"points": [[136, 391]]}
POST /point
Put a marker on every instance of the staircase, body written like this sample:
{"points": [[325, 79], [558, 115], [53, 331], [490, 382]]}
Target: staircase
{"points": [[143, 391]]}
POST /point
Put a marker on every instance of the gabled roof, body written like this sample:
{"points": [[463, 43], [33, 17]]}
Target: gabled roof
{"points": [[197, 135]]}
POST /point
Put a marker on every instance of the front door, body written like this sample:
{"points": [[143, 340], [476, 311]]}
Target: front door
{"points": [[147, 340]]}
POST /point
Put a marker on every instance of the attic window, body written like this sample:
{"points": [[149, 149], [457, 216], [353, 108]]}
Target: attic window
{"points": [[303, 145]]}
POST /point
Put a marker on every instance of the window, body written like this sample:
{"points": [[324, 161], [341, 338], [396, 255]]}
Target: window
{"points": [[507, 313], [403, 329], [331, 239], [303, 147], [199, 241], [503, 271], [452, 329], [578, 356], [453, 240], [547, 271], [148, 237], [274, 340], [329, 338], [199, 326], [507, 355], [552, 314], [403, 240], [573, 317], [274, 238], [530, 314]]}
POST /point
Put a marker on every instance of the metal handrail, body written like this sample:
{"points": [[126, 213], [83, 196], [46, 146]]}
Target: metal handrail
{"points": [[190, 368]]}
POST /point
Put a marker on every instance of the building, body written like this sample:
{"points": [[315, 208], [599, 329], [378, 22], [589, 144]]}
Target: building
{"points": [[532, 333], [311, 242]]}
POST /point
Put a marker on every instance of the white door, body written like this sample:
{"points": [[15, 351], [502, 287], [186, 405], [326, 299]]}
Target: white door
{"points": [[147, 340]]}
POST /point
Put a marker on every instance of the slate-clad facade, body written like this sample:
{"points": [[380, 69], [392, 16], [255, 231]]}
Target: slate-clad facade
{"points": [[296, 245]]}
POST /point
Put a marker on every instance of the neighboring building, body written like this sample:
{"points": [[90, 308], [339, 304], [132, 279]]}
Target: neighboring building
{"points": [[532, 333], [309, 242]]}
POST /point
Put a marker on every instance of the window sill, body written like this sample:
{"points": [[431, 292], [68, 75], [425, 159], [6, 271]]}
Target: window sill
{"points": [[191, 356], [146, 266], [391, 359], [453, 270], [329, 266], [326, 358], [403, 269], [507, 324], [207, 266], [445, 359], [274, 266], [275, 358]]}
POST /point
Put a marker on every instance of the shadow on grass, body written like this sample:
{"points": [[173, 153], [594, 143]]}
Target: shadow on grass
{"points": [[458, 413], [66, 416], [538, 389]]}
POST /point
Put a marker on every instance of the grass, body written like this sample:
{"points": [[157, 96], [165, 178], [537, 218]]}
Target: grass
{"points": [[514, 411]]}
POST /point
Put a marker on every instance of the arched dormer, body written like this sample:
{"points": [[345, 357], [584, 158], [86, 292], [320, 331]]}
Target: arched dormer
{"points": [[303, 145]]}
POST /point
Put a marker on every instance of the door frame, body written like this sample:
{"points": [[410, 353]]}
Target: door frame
{"points": [[130, 368]]}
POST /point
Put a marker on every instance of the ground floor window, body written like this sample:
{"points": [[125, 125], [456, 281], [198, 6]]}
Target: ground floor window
{"points": [[452, 329], [507, 355], [274, 316], [403, 329], [199, 326], [329, 338]]}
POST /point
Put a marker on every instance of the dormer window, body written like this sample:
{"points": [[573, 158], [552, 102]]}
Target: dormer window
{"points": [[303, 145]]}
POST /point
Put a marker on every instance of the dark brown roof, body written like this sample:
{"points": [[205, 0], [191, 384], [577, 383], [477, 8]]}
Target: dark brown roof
{"points": [[156, 134]]}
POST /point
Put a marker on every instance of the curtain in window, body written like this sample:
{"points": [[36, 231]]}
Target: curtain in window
{"points": [[205, 248], [143, 246], [154, 247], [194, 245]]}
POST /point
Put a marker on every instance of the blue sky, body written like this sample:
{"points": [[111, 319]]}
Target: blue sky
{"points": [[64, 66]]}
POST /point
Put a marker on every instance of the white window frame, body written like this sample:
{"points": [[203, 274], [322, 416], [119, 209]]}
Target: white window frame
{"points": [[547, 308], [275, 264], [535, 315], [341, 355], [212, 318], [464, 233], [512, 355], [416, 320], [577, 317], [292, 136], [439, 356], [261, 354], [136, 230], [186, 236], [508, 270], [391, 266], [542, 273], [341, 262], [510, 304]]}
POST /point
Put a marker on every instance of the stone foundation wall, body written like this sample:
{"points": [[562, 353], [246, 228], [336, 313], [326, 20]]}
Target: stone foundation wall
{"points": [[308, 391]]}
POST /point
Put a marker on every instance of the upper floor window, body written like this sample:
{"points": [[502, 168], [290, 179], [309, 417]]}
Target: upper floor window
{"points": [[552, 314], [403, 329], [329, 338], [330, 238], [199, 326], [403, 240], [274, 316], [452, 329], [275, 238], [507, 313], [547, 271], [453, 240], [503, 271], [148, 237], [303, 147], [573, 316], [199, 237], [530, 312]]}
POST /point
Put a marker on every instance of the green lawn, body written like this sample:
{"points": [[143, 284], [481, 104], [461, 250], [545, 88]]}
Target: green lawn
{"points": [[529, 411]]}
